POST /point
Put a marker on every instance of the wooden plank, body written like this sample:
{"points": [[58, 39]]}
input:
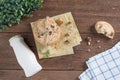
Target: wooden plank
{"points": [[42, 75], [85, 24], [85, 12], [71, 62], [28, 37], [4, 38]]}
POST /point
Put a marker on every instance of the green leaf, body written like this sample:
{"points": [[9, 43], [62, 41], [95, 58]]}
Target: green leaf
{"points": [[2, 27], [47, 54], [12, 11], [21, 13]]}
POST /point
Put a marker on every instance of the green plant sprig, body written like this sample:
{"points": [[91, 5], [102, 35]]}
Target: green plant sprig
{"points": [[12, 11]]}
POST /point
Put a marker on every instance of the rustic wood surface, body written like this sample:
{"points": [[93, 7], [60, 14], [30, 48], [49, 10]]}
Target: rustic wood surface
{"points": [[86, 13]]}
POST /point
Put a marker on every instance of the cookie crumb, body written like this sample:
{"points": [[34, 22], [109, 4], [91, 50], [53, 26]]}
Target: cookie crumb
{"points": [[89, 50], [113, 8], [98, 41], [89, 43], [59, 21], [88, 39], [99, 46]]}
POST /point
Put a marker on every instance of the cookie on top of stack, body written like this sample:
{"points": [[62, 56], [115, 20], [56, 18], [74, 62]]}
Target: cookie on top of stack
{"points": [[55, 36]]}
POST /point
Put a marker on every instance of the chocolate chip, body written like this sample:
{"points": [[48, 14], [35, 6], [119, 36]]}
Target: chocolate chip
{"points": [[105, 32], [68, 23], [66, 41], [111, 34], [50, 32], [39, 36], [52, 26], [42, 34], [66, 34], [46, 28]]}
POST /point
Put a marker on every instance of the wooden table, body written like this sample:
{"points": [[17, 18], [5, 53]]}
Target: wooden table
{"points": [[86, 13]]}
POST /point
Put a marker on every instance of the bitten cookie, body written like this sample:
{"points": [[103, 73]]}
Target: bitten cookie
{"points": [[105, 28]]}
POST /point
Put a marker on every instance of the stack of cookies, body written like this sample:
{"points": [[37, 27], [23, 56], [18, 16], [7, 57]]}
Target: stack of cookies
{"points": [[55, 36]]}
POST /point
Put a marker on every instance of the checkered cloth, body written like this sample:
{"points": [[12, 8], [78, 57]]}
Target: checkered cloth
{"points": [[104, 66]]}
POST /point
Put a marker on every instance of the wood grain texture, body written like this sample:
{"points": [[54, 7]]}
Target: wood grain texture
{"points": [[71, 62], [86, 13], [43, 75]]}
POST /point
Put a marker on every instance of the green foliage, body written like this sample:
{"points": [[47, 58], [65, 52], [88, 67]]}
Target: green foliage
{"points": [[12, 11], [47, 54]]}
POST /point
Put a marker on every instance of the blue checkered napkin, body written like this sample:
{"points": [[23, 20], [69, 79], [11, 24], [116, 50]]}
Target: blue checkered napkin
{"points": [[104, 66], [86, 75]]}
